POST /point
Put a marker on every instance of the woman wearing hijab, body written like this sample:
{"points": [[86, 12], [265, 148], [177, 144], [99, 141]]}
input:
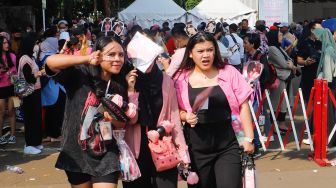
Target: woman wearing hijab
{"points": [[327, 70]]}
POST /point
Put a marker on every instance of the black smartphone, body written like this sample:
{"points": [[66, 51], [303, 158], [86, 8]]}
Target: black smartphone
{"points": [[165, 55]]}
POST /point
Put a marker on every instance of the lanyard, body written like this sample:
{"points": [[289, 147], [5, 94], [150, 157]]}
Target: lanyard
{"points": [[108, 86]]}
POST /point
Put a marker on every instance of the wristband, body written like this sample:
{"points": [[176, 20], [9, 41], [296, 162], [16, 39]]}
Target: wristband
{"points": [[250, 140]]}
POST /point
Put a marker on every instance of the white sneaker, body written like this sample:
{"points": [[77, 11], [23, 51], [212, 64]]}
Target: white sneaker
{"points": [[40, 147], [30, 150], [306, 141]]}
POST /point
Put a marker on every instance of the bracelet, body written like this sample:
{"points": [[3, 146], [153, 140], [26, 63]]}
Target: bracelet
{"points": [[250, 140]]}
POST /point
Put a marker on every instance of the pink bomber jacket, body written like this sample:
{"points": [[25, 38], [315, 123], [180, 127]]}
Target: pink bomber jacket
{"points": [[233, 84]]}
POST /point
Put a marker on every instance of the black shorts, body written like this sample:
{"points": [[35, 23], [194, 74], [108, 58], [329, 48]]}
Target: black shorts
{"points": [[6, 92], [77, 178]]}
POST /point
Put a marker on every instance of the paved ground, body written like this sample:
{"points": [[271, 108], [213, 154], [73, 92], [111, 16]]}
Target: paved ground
{"points": [[289, 169]]}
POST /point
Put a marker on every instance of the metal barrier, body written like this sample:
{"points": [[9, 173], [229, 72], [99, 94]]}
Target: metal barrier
{"points": [[291, 114]]}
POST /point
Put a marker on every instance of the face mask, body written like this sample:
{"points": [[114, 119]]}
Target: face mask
{"points": [[62, 30]]}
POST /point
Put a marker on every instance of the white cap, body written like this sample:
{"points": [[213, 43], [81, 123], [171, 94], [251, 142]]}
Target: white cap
{"points": [[283, 24], [62, 21]]}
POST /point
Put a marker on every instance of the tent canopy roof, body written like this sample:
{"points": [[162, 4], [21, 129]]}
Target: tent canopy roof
{"points": [[216, 9], [152, 10]]}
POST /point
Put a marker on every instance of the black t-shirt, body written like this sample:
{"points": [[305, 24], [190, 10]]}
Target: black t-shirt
{"points": [[78, 82], [149, 86], [312, 49]]}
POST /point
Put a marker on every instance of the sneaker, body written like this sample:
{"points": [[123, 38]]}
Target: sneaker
{"points": [[306, 141], [3, 140], [40, 147], [30, 150], [11, 140]]}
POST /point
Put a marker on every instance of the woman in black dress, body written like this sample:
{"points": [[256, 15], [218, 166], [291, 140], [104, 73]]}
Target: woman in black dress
{"points": [[212, 137], [84, 77]]}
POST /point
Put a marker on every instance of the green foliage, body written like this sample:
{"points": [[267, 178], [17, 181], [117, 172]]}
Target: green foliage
{"points": [[190, 4]]}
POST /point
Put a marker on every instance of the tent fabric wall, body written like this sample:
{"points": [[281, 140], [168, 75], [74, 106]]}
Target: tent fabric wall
{"points": [[148, 12]]}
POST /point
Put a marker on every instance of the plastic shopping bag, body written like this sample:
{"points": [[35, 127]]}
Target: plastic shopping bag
{"points": [[128, 166]]}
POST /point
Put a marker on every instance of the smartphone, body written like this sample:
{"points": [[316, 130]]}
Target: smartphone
{"points": [[165, 55]]}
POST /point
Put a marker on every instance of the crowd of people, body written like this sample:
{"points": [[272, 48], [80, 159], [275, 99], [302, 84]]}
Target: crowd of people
{"points": [[72, 67]]}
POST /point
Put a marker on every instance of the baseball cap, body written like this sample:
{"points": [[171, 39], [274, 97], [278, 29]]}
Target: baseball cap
{"points": [[155, 28], [273, 27]]}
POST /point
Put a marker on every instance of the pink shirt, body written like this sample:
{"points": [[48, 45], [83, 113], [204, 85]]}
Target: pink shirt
{"points": [[31, 62], [170, 111], [5, 76], [235, 87]]}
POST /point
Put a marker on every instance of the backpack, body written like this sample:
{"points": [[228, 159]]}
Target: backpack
{"points": [[271, 79]]}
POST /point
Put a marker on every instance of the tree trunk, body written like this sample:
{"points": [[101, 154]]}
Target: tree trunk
{"points": [[107, 8], [94, 5], [68, 9]]}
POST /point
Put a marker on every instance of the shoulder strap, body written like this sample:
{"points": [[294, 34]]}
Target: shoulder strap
{"points": [[233, 38]]}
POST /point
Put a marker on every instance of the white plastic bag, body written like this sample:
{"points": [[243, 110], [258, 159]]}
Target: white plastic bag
{"points": [[128, 166]]}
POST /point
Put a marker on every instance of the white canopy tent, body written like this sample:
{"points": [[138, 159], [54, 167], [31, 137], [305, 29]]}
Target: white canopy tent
{"points": [[149, 12], [230, 11]]}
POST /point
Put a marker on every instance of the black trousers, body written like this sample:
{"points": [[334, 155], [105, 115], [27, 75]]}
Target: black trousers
{"points": [[54, 114], [149, 177], [32, 110], [215, 155]]}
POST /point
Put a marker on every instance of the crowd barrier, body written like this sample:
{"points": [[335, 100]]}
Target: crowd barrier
{"points": [[316, 106]]}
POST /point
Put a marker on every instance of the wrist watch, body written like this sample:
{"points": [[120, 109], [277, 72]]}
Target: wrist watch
{"points": [[250, 140]]}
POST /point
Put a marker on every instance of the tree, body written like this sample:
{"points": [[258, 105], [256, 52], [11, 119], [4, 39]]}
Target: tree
{"points": [[190, 4], [107, 8]]}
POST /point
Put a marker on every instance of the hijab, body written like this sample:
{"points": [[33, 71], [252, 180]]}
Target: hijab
{"points": [[328, 48]]}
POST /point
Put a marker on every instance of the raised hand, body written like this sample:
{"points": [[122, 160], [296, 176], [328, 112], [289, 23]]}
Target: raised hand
{"points": [[131, 80]]}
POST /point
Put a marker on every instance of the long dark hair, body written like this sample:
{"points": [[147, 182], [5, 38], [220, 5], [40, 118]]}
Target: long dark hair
{"points": [[273, 38], [27, 45], [306, 33], [118, 82], [8, 57], [188, 63]]}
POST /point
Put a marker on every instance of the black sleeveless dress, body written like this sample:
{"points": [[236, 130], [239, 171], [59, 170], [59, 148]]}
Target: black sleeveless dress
{"points": [[213, 147]]}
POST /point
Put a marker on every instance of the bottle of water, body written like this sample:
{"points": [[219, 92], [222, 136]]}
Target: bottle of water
{"points": [[14, 169]]}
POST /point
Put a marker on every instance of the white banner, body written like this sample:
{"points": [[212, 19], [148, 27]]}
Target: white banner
{"points": [[273, 11]]}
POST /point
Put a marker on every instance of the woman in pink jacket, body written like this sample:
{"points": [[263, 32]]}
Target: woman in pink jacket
{"points": [[157, 103], [212, 96], [7, 68]]}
